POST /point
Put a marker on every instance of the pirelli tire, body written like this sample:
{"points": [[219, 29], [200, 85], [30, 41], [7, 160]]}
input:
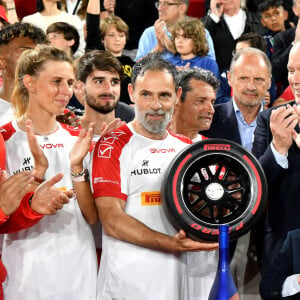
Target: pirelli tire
{"points": [[214, 182]]}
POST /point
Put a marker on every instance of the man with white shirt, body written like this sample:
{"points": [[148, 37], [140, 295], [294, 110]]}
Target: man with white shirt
{"points": [[143, 256], [195, 109], [194, 112], [157, 38], [276, 144], [14, 39], [226, 22], [99, 74]]}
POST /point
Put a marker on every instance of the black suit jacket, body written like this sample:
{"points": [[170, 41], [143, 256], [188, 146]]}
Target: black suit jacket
{"points": [[286, 263], [224, 42], [224, 124], [284, 184], [281, 50]]}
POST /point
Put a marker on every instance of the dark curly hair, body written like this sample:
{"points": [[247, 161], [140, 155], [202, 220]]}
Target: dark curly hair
{"points": [[16, 30]]}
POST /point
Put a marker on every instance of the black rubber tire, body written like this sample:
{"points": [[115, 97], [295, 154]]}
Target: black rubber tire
{"points": [[198, 193]]}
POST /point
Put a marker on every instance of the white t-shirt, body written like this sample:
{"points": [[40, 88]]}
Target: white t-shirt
{"points": [[6, 112], [236, 23], [55, 259], [131, 167], [44, 21]]}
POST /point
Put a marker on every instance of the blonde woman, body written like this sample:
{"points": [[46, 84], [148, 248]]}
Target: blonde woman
{"points": [[55, 259]]}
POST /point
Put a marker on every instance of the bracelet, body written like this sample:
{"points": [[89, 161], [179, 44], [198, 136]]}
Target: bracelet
{"points": [[35, 183], [78, 174], [83, 176], [11, 8], [38, 180]]}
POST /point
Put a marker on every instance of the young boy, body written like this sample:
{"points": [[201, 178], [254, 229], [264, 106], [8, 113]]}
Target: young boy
{"points": [[63, 36], [114, 34], [189, 40], [273, 17]]}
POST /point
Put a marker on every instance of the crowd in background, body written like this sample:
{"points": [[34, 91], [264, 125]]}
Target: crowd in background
{"points": [[236, 63]]}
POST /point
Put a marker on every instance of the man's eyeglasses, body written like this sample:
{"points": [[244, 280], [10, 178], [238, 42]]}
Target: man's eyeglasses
{"points": [[166, 4]]}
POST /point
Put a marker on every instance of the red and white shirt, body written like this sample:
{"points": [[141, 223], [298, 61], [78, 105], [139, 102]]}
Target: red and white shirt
{"points": [[131, 167], [54, 259]]}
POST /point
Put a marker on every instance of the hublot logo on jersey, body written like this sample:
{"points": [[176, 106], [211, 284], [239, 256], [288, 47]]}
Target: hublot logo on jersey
{"points": [[145, 171], [27, 168]]}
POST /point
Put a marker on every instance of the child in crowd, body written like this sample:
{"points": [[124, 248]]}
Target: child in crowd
{"points": [[114, 33], [191, 46], [63, 36], [273, 16]]}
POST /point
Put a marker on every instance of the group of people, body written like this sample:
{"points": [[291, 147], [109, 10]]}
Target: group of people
{"points": [[58, 179]]}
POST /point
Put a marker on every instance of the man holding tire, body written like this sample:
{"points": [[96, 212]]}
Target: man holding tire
{"points": [[143, 257]]}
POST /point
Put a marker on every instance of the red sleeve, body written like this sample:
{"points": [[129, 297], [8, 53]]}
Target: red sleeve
{"points": [[3, 217], [106, 177], [22, 218], [287, 94]]}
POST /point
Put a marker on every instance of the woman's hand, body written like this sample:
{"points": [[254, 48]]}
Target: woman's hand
{"points": [[40, 160]]}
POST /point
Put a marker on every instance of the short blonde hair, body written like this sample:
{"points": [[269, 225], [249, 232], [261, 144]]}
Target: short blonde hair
{"points": [[32, 62], [116, 22]]}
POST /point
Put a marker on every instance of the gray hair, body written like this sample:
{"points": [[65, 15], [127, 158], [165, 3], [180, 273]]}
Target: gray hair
{"points": [[153, 62]]}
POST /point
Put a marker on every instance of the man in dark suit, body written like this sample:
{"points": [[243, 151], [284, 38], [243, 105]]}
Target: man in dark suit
{"points": [[226, 22], [276, 144], [283, 42], [249, 78], [282, 278]]}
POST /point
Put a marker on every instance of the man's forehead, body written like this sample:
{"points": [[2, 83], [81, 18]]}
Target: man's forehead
{"points": [[295, 52], [202, 89], [104, 73], [149, 74]]}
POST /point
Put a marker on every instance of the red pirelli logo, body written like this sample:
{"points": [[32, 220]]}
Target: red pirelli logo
{"points": [[150, 198], [225, 147]]}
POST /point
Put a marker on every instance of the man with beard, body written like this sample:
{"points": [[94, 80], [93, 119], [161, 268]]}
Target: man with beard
{"points": [[99, 74], [143, 256]]}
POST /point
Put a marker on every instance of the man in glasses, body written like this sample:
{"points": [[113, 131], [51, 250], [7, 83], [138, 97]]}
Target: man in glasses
{"points": [[157, 38]]}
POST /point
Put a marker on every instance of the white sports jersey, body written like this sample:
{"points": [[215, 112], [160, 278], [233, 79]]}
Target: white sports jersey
{"points": [[198, 138], [55, 259], [6, 112], [131, 167]]}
